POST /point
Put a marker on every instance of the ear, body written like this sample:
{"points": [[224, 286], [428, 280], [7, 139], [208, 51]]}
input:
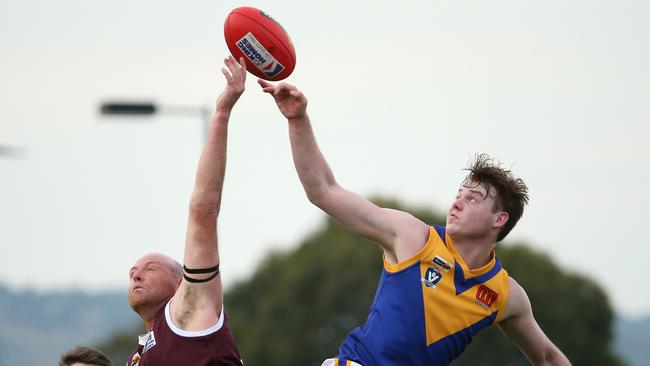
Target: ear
{"points": [[500, 220]]}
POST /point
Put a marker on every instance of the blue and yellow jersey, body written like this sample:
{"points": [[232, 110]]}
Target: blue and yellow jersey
{"points": [[428, 307]]}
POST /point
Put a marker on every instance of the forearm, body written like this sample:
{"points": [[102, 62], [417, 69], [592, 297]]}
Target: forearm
{"points": [[205, 203], [314, 172], [212, 164]]}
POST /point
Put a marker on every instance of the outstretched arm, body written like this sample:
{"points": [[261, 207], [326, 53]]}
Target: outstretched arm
{"points": [[520, 326], [197, 305], [400, 234]]}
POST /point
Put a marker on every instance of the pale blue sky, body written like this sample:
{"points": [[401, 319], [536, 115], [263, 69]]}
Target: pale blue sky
{"points": [[401, 95]]}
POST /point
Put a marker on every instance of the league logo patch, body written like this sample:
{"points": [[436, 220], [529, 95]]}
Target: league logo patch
{"points": [[259, 56], [432, 277], [485, 297], [151, 341], [442, 263]]}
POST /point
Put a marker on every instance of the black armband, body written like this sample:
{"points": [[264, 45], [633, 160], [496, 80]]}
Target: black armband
{"points": [[214, 269]]}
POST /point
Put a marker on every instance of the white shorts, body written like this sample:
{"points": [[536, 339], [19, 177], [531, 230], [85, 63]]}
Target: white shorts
{"points": [[335, 362]]}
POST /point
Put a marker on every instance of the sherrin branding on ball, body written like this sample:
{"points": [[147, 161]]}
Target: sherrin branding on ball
{"points": [[261, 40]]}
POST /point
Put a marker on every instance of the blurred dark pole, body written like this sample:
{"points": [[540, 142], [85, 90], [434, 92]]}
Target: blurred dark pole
{"points": [[115, 108], [126, 108], [7, 151]]}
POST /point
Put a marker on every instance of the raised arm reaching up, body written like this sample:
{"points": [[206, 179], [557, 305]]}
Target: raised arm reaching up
{"points": [[182, 305], [197, 302], [400, 234]]}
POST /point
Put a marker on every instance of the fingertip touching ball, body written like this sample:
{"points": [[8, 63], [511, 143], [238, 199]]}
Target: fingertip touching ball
{"points": [[261, 40]]}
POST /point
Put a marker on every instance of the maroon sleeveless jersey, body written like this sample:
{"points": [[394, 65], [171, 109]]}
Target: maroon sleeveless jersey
{"points": [[168, 345]]}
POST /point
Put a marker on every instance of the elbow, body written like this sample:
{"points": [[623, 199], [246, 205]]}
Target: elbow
{"points": [[204, 206], [318, 185], [315, 197], [320, 195]]}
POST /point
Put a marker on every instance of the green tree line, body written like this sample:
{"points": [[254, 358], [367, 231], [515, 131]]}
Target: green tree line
{"points": [[299, 305]]}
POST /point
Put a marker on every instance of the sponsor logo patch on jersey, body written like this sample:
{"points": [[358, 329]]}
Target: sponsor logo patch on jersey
{"points": [[431, 277], [442, 263], [485, 296], [259, 56]]}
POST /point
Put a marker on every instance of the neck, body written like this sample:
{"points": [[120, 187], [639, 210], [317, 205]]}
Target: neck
{"points": [[148, 315], [148, 325], [475, 252]]}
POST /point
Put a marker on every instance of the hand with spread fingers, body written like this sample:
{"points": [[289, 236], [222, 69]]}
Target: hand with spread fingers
{"points": [[291, 102], [235, 73]]}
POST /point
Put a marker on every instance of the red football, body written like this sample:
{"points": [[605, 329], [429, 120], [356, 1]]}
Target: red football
{"points": [[261, 40]]}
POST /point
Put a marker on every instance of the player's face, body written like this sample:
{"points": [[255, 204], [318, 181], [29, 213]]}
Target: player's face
{"points": [[150, 282], [471, 215]]}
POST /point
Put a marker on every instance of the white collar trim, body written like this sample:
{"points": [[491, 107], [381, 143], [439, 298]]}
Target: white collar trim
{"points": [[185, 333]]}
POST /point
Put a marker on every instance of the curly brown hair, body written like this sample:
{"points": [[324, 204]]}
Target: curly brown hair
{"points": [[87, 355], [511, 192]]}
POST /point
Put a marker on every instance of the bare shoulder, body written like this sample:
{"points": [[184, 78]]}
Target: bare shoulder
{"points": [[408, 223], [411, 234], [518, 302]]}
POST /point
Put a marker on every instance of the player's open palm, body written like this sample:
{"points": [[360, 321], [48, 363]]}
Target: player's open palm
{"points": [[291, 102], [235, 74]]}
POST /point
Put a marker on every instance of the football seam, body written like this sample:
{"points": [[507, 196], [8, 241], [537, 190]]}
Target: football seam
{"points": [[293, 59]]}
